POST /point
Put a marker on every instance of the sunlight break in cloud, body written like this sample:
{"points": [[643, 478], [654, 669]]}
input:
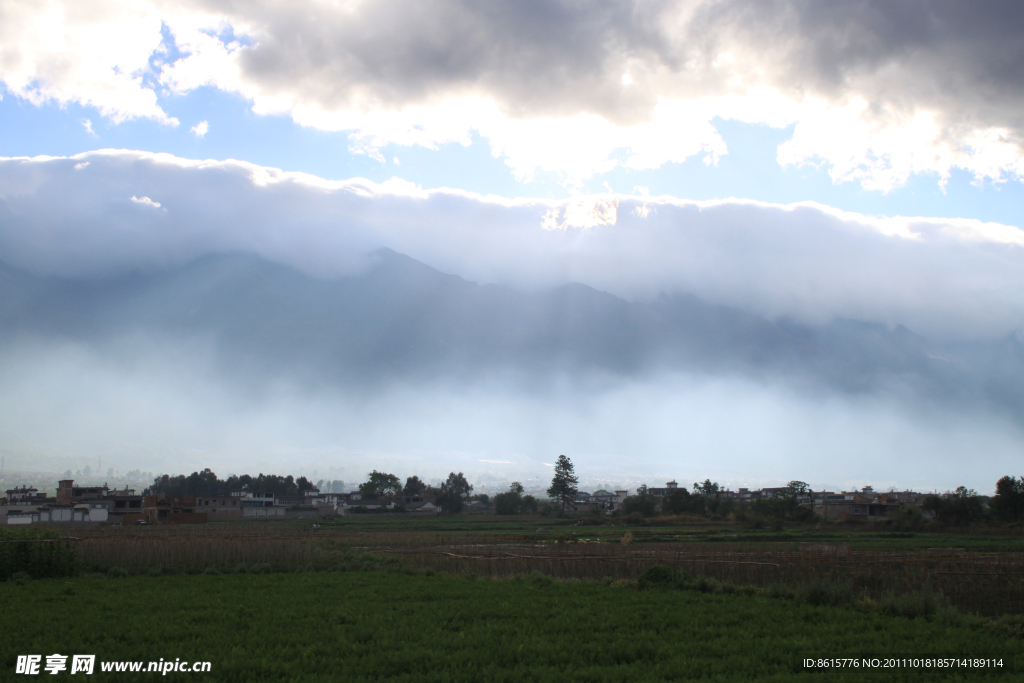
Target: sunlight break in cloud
{"points": [[874, 92]]}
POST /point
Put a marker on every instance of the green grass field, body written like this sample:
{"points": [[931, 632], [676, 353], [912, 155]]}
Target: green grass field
{"points": [[391, 626]]}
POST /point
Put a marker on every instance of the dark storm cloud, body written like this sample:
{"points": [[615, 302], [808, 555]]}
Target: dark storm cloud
{"points": [[878, 90]]}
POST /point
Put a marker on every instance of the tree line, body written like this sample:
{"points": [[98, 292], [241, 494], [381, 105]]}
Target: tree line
{"points": [[451, 495], [206, 483], [961, 507]]}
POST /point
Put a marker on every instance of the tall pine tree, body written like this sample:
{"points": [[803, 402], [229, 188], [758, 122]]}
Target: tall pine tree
{"points": [[563, 484]]}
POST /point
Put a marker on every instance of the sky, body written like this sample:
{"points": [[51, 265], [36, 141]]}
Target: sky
{"points": [[803, 162]]}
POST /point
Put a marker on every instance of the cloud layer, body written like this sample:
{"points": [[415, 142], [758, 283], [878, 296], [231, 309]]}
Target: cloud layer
{"points": [[877, 90], [117, 211], [143, 403]]}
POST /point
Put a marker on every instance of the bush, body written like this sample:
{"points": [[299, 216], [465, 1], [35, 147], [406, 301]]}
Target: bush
{"points": [[508, 503], [920, 603], [660, 576], [538, 578], [825, 593], [117, 573], [641, 506]]}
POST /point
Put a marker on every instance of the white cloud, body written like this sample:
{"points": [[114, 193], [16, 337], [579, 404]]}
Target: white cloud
{"points": [[874, 92], [98, 56], [145, 201], [200, 129], [946, 278], [87, 124]]}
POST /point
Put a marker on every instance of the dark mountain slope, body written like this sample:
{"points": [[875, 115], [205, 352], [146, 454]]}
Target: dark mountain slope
{"points": [[401, 318]]}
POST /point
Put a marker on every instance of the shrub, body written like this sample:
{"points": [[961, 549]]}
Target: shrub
{"points": [[508, 503], [660, 576], [538, 578], [117, 573], [920, 603], [707, 585], [825, 593]]}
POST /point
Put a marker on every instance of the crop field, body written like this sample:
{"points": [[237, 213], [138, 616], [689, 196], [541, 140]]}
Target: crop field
{"points": [[976, 579], [402, 626]]}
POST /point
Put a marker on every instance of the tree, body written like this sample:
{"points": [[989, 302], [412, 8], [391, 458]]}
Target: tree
{"points": [[708, 492], [563, 484], [454, 493], [796, 488], [933, 504], [963, 506], [643, 502], [380, 484], [1008, 503], [511, 501], [414, 486], [677, 502], [508, 503]]}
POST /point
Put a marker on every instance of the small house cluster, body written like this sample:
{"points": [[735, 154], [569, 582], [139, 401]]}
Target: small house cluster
{"points": [[863, 504], [103, 505]]}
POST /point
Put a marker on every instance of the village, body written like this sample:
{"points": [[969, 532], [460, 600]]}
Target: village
{"points": [[101, 505]]}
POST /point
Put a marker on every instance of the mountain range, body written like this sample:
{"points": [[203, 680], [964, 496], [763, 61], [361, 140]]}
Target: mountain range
{"points": [[401, 319]]}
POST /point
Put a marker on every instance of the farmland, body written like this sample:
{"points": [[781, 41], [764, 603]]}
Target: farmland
{"points": [[395, 626], [486, 598], [978, 573]]}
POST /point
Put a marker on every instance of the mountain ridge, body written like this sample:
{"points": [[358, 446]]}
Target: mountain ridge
{"points": [[402, 318]]}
